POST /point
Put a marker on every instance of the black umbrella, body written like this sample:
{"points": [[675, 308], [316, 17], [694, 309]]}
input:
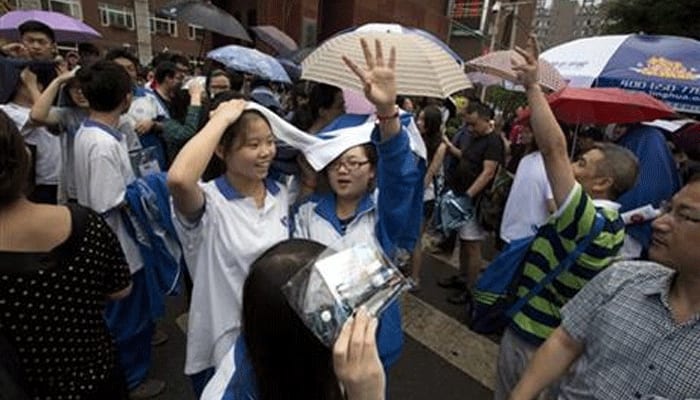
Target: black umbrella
{"points": [[206, 15]]}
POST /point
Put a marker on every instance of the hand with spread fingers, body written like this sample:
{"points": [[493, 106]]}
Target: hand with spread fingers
{"points": [[356, 359], [527, 72], [379, 78]]}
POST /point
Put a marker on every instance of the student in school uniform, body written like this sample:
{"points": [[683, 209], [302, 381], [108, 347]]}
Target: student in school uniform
{"points": [[372, 185], [224, 225], [352, 209], [102, 172]]}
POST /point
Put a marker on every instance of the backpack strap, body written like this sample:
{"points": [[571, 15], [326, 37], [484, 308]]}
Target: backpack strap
{"points": [[563, 266]]}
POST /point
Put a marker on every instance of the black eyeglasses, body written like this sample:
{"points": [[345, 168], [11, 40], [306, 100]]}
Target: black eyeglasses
{"points": [[350, 165]]}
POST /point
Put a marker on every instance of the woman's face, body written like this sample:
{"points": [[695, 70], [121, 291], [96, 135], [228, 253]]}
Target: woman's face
{"points": [[420, 122], [251, 153], [351, 173], [76, 94]]}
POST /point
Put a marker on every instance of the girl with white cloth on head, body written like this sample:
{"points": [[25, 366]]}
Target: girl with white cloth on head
{"points": [[226, 223]]}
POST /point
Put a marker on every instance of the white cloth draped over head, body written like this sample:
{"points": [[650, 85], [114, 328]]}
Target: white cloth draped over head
{"points": [[320, 150]]}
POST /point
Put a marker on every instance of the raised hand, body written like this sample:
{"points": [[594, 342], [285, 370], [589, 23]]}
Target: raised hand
{"points": [[527, 72], [379, 78]]}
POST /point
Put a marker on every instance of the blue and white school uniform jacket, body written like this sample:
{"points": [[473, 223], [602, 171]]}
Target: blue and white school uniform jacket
{"points": [[219, 249], [387, 212]]}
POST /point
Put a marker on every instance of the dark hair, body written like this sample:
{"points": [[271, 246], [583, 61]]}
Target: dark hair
{"points": [[179, 59], [88, 49], [432, 120], [160, 58], [220, 72], [621, 165], [240, 126], [260, 82], [216, 166], [122, 53], [166, 69], [482, 110], [592, 133], [288, 360], [236, 79], [15, 162], [65, 99], [321, 96], [36, 26], [105, 85]]}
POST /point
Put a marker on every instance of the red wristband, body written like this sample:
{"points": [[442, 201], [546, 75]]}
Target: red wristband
{"points": [[388, 117]]}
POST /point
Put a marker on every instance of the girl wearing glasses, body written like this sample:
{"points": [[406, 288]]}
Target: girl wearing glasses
{"points": [[226, 223], [372, 188]]}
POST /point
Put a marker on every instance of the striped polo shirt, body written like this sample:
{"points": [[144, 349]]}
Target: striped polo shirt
{"points": [[555, 240]]}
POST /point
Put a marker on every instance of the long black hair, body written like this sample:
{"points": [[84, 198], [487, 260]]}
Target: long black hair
{"points": [[15, 162], [288, 360], [432, 121]]}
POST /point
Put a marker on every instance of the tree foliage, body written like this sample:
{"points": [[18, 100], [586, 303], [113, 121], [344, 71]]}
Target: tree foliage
{"points": [[654, 17]]}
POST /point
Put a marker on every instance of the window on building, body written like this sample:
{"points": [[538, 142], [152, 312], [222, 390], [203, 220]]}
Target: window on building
{"points": [[195, 32], [68, 7], [115, 16], [163, 26]]}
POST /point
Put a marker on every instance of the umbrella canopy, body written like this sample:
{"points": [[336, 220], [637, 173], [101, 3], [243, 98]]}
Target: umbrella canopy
{"points": [[498, 63], [66, 29], [249, 60], [276, 39], [602, 106], [207, 15], [299, 55], [423, 66], [667, 67], [293, 69]]}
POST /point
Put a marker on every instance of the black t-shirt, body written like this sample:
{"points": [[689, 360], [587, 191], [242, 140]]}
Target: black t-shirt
{"points": [[476, 150]]}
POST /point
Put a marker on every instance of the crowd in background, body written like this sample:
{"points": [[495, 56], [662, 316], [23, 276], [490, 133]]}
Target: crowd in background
{"points": [[80, 129]]}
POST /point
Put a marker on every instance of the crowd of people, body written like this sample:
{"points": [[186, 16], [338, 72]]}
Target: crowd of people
{"points": [[117, 179]]}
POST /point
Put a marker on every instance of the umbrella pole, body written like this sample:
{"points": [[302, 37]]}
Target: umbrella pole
{"points": [[573, 141]]}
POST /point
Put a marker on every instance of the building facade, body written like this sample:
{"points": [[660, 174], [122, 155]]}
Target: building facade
{"points": [[131, 24], [560, 21]]}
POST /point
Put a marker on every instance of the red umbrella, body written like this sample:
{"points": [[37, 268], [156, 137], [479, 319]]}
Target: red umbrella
{"points": [[601, 106]]}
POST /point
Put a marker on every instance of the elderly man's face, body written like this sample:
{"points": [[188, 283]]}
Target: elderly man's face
{"points": [[39, 45], [677, 232]]}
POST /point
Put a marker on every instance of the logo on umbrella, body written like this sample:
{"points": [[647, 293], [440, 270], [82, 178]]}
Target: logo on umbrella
{"points": [[664, 68]]}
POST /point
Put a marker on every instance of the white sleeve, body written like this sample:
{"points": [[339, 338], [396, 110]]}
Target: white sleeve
{"points": [[106, 186]]}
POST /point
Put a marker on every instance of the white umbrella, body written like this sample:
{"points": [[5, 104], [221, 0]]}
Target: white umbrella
{"points": [[424, 66], [666, 67]]}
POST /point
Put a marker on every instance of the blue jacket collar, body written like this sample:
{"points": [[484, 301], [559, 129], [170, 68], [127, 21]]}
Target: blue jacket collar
{"points": [[326, 209], [231, 193], [90, 123]]}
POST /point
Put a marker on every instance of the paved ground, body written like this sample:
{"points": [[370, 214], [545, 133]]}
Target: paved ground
{"points": [[442, 359]]}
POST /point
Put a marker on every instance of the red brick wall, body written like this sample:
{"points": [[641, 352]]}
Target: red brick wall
{"points": [[115, 37]]}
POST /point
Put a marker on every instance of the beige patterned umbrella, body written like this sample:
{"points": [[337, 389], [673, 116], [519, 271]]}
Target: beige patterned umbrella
{"points": [[498, 63], [424, 66]]}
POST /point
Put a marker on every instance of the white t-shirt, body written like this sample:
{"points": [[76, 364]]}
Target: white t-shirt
{"points": [[48, 146], [219, 249], [102, 173], [526, 207]]}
